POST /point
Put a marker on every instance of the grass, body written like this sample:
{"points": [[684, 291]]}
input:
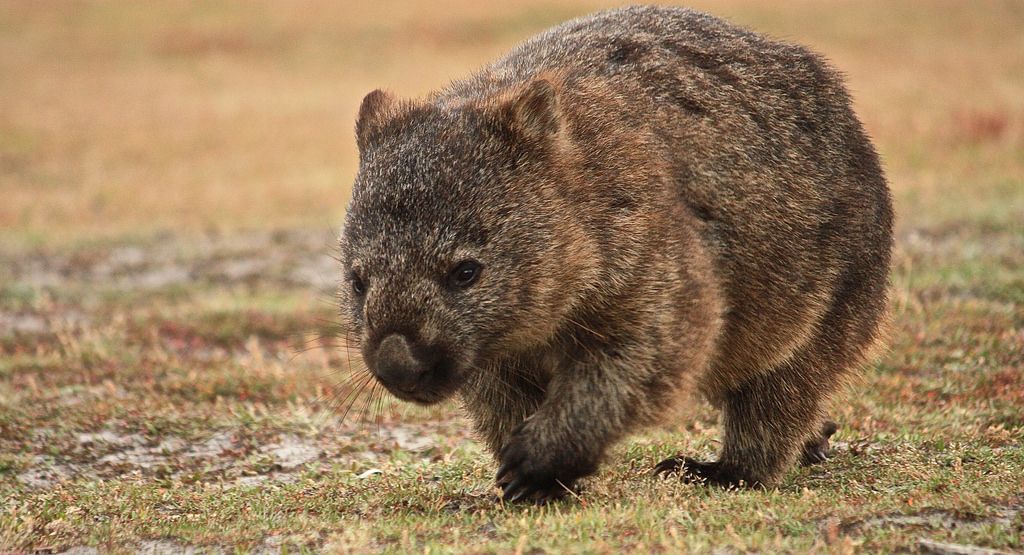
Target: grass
{"points": [[170, 175]]}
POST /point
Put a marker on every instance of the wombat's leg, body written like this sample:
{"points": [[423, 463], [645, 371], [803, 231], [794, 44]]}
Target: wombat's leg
{"points": [[499, 401], [816, 449], [771, 419], [588, 407], [767, 422]]}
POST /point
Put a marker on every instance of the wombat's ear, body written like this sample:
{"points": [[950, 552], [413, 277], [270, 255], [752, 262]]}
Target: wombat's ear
{"points": [[534, 110], [372, 113]]}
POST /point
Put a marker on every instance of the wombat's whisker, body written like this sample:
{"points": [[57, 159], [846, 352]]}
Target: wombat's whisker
{"points": [[354, 396]]}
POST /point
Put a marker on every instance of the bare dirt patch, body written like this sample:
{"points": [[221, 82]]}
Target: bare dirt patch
{"points": [[293, 258]]}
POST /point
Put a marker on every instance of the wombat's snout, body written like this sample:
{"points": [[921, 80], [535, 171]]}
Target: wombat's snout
{"points": [[410, 371], [396, 366]]}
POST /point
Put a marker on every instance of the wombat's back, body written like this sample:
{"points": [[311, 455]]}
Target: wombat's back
{"points": [[761, 146]]}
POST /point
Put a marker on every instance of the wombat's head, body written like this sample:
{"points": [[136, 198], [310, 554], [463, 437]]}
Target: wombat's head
{"points": [[453, 247]]}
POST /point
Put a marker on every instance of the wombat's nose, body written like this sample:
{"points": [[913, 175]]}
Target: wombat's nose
{"points": [[397, 366]]}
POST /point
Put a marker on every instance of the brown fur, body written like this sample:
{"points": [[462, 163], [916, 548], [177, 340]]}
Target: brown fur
{"points": [[658, 201]]}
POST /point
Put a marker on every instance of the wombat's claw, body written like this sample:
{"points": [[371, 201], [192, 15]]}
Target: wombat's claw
{"points": [[520, 480], [688, 470], [669, 466], [694, 471], [816, 449], [516, 490]]}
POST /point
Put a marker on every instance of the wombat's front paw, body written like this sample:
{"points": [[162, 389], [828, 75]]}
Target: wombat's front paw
{"points": [[530, 471], [694, 471]]}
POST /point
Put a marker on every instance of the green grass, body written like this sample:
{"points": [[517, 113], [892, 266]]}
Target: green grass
{"points": [[169, 371], [195, 417]]}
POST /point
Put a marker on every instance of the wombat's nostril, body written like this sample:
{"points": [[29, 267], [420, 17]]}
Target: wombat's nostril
{"points": [[397, 365]]}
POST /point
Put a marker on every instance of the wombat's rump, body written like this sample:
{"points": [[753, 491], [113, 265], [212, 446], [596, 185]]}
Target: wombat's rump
{"points": [[626, 206]]}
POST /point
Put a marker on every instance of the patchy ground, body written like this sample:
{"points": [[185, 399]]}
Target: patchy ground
{"points": [[181, 394], [172, 379], [209, 365]]}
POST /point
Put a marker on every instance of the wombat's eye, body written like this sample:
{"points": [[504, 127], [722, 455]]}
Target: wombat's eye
{"points": [[464, 274], [358, 287]]}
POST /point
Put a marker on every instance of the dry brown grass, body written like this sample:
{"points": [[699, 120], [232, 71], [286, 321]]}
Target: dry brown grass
{"points": [[123, 118]]}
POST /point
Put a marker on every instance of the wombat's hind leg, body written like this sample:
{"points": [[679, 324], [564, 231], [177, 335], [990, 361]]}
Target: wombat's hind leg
{"points": [[816, 449], [767, 422]]}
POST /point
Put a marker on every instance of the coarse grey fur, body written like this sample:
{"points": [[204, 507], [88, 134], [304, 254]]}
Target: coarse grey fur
{"points": [[642, 201]]}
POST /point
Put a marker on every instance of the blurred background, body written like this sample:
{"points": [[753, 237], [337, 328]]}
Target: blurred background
{"points": [[129, 118]]}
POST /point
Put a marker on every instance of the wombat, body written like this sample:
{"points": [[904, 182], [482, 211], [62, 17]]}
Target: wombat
{"points": [[625, 208]]}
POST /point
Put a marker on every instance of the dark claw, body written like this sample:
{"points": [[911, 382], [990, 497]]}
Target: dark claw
{"points": [[523, 494], [813, 456], [669, 466], [528, 473], [816, 450], [503, 470], [701, 472], [694, 471], [511, 488]]}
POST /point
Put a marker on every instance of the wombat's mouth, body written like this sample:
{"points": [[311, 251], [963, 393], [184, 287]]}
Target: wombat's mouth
{"points": [[434, 385]]}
